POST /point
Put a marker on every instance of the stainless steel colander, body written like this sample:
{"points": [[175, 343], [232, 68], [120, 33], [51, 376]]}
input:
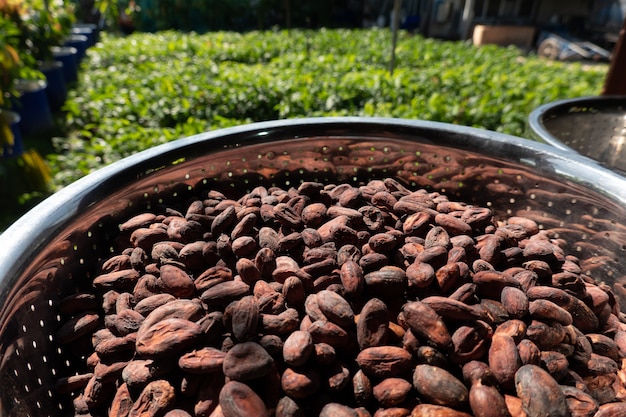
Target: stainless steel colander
{"points": [[52, 251], [592, 126]]}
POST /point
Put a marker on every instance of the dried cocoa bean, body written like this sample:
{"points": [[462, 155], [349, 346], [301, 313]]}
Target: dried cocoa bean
{"points": [[425, 322], [391, 392], [237, 399], [298, 348], [373, 324], [440, 387], [167, 337], [384, 361], [247, 361], [487, 401], [540, 394]]}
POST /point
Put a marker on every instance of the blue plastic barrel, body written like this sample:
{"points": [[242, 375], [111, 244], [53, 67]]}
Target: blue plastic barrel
{"points": [[94, 28], [80, 43], [33, 107], [85, 31], [67, 56], [57, 89]]}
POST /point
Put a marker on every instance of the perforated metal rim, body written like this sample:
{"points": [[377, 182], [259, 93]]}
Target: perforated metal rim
{"points": [[610, 121]]}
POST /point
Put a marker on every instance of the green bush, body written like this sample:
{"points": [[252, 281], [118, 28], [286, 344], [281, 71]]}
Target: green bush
{"points": [[147, 89]]}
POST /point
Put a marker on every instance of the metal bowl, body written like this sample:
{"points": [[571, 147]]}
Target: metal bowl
{"points": [[52, 251], [592, 126]]}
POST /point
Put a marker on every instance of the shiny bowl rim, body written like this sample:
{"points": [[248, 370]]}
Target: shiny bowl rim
{"points": [[538, 128]]}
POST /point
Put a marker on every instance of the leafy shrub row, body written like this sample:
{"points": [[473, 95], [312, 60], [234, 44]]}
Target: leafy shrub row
{"points": [[146, 89]]}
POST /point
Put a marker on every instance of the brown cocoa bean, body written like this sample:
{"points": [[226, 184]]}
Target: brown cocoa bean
{"points": [[139, 372], [72, 383], [362, 388], [287, 407], [335, 308], [202, 361], [477, 371], [167, 337], [387, 282], [180, 309], [352, 278], [238, 399], [301, 383], [145, 237], [126, 322], [604, 345], [504, 359], [611, 410], [529, 353], [545, 336], [154, 400], [487, 401], [116, 347], [491, 283], [425, 322], [122, 402], [78, 303], [384, 361], [117, 280], [391, 392], [324, 331], [539, 392], [432, 410], [515, 302], [337, 410], [457, 311], [77, 327], [207, 396], [453, 225], [420, 275], [245, 318], [470, 342], [579, 403], [440, 387], [373, 324], [547, 310], [294, 292], [280, 324], [247, 361], [338, 377], [149, 304], [298, 348], [224, 293]]}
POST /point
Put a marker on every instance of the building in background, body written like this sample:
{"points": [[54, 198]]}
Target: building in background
{"points": [[519, 21]]}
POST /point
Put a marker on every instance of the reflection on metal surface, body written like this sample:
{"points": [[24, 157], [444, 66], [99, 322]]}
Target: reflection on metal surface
{"points": [[592, 126]]}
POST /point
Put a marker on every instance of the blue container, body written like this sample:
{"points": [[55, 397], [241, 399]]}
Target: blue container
{"points": [[85, 31], [80, 43], [57, 90], [94, 28], [68, 57], [33, 107], [18, 144]]}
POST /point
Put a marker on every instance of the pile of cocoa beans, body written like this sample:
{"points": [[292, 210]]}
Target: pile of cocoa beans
{"points": [[342, 300]]}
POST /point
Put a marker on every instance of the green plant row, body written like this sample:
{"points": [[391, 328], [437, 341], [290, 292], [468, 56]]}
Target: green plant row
{"points": [[146, 89]]}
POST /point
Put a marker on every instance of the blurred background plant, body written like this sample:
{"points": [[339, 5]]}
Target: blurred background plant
{"points": [[29, 29], [10, 64], [46, 24], [41, 24]]}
